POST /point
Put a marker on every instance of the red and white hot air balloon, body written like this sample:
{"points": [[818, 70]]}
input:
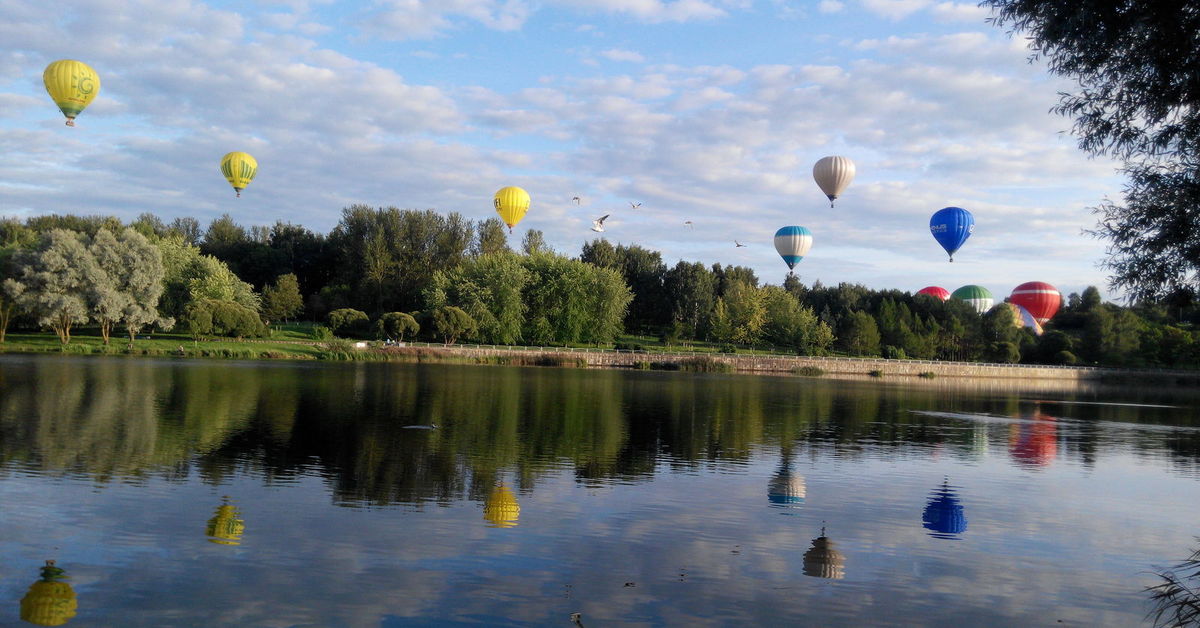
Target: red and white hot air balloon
{"points": [[936, 292], [1040, 298]]}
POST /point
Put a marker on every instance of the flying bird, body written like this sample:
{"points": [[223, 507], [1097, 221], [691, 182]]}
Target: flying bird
{"points": [[738, 245], [688, 223], [576, 199], [635, 205], [598, 224]]}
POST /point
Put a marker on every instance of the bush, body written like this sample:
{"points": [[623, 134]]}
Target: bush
{"points": [[927, 374], [706, 365], [875, 373], [321, 333], [628, 346], [348, 320], [894, 353], [1066, 358], [809, 371]]}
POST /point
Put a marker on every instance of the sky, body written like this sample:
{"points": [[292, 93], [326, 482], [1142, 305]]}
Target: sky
{"points": [[710, 111]]}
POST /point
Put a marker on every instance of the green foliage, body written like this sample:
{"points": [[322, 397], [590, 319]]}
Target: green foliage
{"points": [[394, 325], [348, 320], [489, 288], [927, 375], [321, 333], [210, 317], [705, 364], [809, 371], [54, 280], [282, 301], [452, 323], [1004, 353], [1066, 358], [875, 373], [860, 335]]}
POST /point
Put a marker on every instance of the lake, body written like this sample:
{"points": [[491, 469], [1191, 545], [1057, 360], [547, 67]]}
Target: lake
{"points": [[219, 493]]}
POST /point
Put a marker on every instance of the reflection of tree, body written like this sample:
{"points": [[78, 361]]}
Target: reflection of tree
{"points": [[1177, 598]]}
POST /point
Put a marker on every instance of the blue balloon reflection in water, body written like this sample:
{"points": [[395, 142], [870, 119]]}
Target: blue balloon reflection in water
{"points": [[786, 489], [944, 515]]}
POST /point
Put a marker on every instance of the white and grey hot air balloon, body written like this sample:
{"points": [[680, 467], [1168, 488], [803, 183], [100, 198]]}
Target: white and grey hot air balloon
{"points": [[832, 175]]}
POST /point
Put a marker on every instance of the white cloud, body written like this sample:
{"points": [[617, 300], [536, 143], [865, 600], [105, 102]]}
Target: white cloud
{"points": [[616, 54], [894, 9], [830, 6], [959, 12], [422, 19]]}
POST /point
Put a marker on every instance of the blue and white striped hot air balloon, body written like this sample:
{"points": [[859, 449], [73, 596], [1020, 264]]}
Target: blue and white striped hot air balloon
{"points": [[793, 244]]}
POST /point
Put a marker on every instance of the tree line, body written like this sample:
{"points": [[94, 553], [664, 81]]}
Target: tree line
{"points": [[392, 273]]}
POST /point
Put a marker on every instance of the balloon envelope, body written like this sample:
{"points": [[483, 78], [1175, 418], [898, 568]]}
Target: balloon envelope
{"points": [[1040, 298], [1022, 318], [951, 226], [500, 509], [943, 514], [793, 244], [937, 292], [833, 174], [979, 297], [72, 85], [239, 169], [511, 203]]}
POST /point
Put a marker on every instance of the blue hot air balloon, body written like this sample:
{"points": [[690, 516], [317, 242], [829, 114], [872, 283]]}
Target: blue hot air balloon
{"points": [[943, 515], [793, 244], [951, 226]]}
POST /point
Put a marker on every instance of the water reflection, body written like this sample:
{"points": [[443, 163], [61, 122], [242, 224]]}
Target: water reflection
{"points": [[823, 560], [1034, 443], [787, 488], [500, 509], [226, 526], [943, 515], [50, 601]]}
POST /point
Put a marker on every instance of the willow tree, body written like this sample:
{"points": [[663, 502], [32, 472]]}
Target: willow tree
{"points": [[53, 281]]}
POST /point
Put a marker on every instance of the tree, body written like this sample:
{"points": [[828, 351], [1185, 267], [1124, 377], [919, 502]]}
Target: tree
{"points": [[1137, 66], [691, 291], [534, 242], [348, 320], [452, 323], [282, 300], [490, 237], [54, 280], [789, 324], [130, 283], [860, 334], [189, 276], [489, 288], [394, 325]]}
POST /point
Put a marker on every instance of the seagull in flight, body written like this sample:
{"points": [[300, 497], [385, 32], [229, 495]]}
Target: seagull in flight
{"points": [[576, 199], [635, 205], [688, 223], [598, 224], [738, 245]]}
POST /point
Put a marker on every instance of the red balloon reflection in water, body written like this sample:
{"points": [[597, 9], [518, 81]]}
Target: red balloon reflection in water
{"points": [[1034, 443]]}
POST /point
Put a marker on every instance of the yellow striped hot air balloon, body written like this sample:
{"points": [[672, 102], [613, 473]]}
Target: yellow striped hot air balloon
{"points": [[239, 168], [72, 84], [511, 203]]}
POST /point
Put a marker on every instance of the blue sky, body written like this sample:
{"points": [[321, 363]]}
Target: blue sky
{"points": [[705, 110]]}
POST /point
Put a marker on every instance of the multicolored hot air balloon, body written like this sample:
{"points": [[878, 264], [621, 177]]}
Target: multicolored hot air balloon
{"points": [[936, 292], [832, 175], [787, 489], [1040, 298], [822, 560], [239, 169], [979, 297], [72, 85], [500, 509], [793, 244], [1022, 318], [50, 601], [943, 515], [511, 203], [951, 226]]}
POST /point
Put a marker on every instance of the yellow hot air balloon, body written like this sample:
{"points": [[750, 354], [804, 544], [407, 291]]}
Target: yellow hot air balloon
{"points": [[72, 84], [511, 203], [49, 601], [225, 528], [500, 509], [239, 168]]}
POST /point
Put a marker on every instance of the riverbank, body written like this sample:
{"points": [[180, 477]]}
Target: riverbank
{"points": [[812, 366]]}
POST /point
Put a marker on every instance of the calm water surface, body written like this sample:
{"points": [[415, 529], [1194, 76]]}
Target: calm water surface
{"points": [[198, 493]]}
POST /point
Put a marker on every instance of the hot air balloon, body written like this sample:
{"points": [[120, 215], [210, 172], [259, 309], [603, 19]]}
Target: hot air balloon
{"points": [[1040, 298], [832, 175], [1022, 318], [935, 292], [786, 489], [72, 85], [225, 528], [50, 601], [500, 509], [943, 515], [822, 560], [239, 168], [951, 226], [511, 203], [793, 244], [979, 297]]}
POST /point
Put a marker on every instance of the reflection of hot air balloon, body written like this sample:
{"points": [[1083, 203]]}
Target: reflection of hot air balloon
{"points": [[823, 561], [239, 169], [1022, 318], [944, 515], [793, 244], [936, 292], [951, 226], [1040, 298], [49, 601], [1034, 443], [979, 297], [511, 203], [225, 528], [72, 84], [832, 175], [500, 509], [786, 488]]}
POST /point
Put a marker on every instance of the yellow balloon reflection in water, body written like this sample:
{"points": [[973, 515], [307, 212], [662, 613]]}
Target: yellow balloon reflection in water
{"points": [[49, 601], [72, 84], [500, 509], [239, 169], [511, 203], [225, 528]]}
